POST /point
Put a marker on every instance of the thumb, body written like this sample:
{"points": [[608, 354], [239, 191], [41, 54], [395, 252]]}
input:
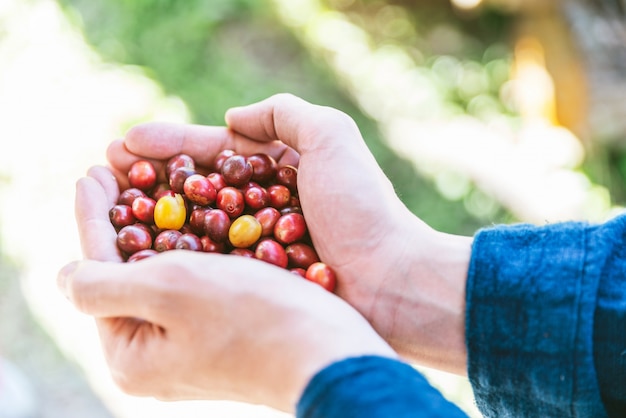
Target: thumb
{"points": [[292, 120], [94, 197]]}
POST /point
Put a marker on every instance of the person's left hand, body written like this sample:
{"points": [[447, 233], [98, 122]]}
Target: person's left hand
{"points": [[188, 325]]}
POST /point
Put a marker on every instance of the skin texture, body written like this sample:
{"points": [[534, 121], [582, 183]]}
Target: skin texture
{"points": [[185, 325]]}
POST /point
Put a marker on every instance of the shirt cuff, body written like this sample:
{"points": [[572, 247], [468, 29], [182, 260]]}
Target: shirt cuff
{"points": [[372, 386], [529, 324]]}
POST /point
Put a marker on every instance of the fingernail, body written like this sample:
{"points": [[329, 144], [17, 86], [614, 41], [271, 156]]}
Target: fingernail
{"points": [[229, 113]]}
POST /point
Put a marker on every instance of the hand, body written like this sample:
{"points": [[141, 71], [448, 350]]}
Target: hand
{"points": [[407, 279], [187, 325]]}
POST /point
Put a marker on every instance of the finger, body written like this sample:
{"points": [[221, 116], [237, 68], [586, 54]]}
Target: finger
{"points": [[158, 142], [97, 234], [163, 140], [287, 118], [112, 290], [108, 182], [203, 143], [121, 159]]}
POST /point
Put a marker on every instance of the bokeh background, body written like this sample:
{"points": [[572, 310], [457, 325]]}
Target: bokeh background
{"points": [[480, 112]]}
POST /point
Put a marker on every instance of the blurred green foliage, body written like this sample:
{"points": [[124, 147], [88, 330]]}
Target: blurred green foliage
{"points": [[223, 53], [466, 59]]}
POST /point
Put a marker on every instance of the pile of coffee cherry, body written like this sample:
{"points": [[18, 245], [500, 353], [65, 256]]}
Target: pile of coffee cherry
{"points": [[242, 205]]}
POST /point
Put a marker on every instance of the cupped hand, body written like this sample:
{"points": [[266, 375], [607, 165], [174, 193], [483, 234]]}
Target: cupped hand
{"points": [[189, 325], [407, 279]]}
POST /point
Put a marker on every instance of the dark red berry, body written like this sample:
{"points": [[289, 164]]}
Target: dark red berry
{"points": [[263, 167], [166, 240], [141, 254], [220, 158], [177, 178], [231, 201], [142, 175], [280, 196], [244, 252], [217, 180], [121, 215], [290, 228], [133, 238], [323, 275], [267, 217], [198, 189], [272, 252], [298, 271], [216, 225], [287, 175], [143, 209], [301, 255], [177, 161], [236, 170], [189, 241], [128, 196], [196, 220], [256, 197], [160, 190], [210, 246]]}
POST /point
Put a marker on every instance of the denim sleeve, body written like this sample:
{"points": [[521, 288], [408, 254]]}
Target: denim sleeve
{"points": [[545, 325], [372, 387]]}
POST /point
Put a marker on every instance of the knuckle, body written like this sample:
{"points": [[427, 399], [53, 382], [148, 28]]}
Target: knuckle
{"points": [[338, 117], [283, 97]]}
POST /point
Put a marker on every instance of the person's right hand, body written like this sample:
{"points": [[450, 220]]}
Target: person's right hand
{"points": [[407, 279]]}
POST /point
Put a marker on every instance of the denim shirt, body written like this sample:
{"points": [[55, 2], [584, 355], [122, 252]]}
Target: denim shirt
{"points": [[545, 334]]}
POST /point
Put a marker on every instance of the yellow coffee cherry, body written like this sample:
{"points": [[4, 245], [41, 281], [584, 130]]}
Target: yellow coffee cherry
{"points": [[244, 231], [170, 212]]}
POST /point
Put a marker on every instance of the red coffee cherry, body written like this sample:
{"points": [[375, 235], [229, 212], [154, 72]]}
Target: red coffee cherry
{"points": [[217, 224], [142, 175], [236, 170], [323, 275], [301, 255], [263, 167], [198, 189], [231, 201], [177, 161], [121, 215], [272, 252], [287, 175], [290, 228], [133, 238]]}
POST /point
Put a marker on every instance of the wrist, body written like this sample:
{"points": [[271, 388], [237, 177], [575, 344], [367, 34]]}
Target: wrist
{"points": [[423, 298]]}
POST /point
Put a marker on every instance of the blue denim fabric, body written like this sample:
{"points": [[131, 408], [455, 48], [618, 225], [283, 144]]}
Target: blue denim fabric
{"points": [[607, 243], [371, 386], [546, 329]]}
